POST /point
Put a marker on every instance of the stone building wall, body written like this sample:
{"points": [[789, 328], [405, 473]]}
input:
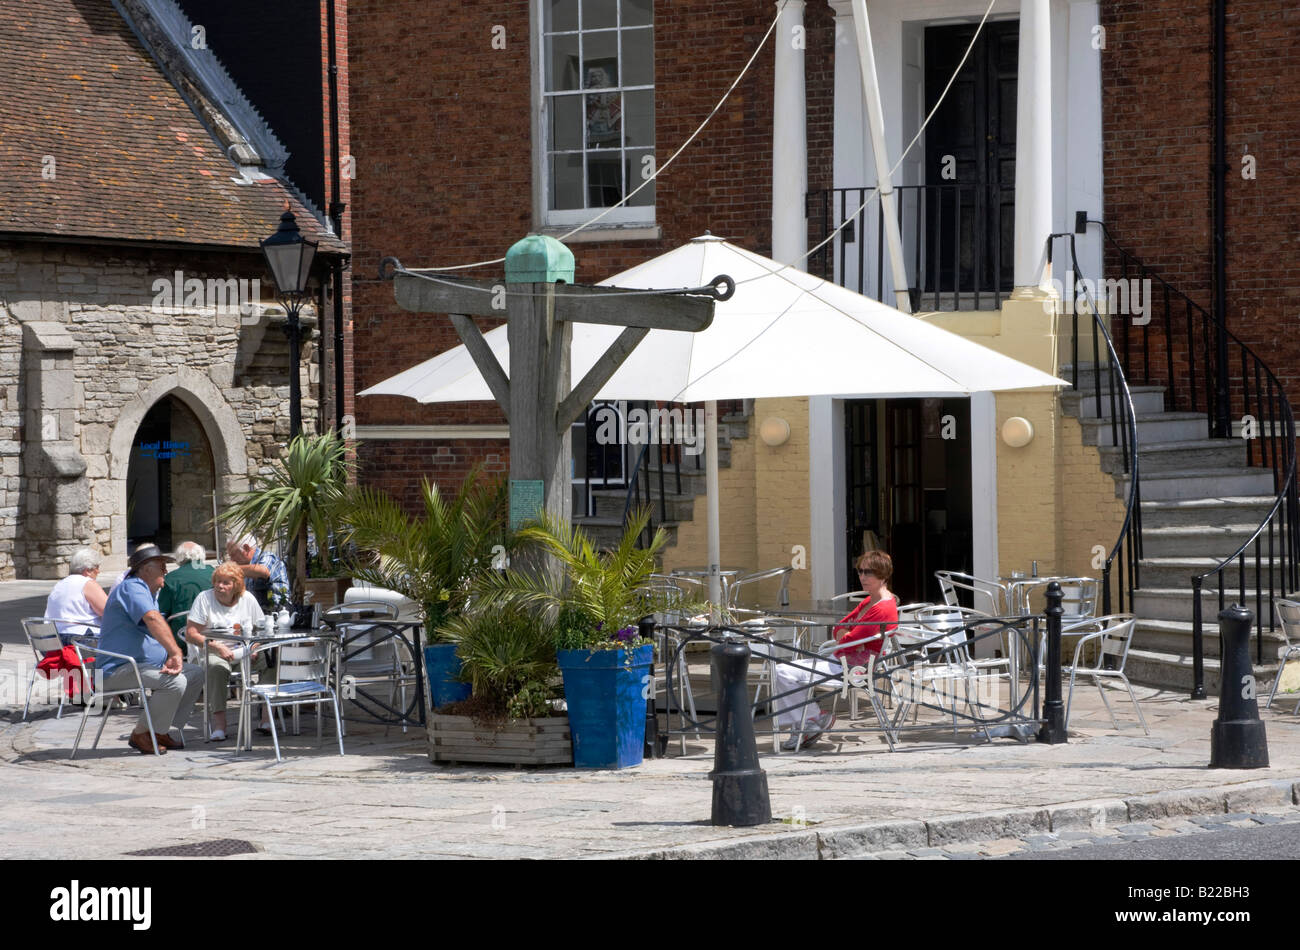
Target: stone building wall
{"points": [[88, 343]]}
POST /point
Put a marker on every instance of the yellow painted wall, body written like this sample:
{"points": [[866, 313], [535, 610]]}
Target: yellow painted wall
{"points": [[763, 503]]}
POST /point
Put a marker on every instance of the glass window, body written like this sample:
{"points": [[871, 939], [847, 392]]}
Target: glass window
{"points": [[597, 109]]}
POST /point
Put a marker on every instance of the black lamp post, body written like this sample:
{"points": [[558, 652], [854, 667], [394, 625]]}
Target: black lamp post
{"points": [[289, 256]]}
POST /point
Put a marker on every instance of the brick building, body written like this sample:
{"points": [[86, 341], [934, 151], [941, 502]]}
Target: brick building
{"points": [[534, 116], [143, 365]]}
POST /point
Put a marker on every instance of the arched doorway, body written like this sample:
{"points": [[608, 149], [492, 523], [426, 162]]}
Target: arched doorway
{"points": [[170, 479]]}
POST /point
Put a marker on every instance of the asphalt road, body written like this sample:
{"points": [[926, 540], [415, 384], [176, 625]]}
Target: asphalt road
{"points": [[1271, 842], [11, 612]]}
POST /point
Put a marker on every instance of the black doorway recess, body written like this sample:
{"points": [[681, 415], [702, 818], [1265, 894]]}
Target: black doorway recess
{"points": [[970, 151], [908, 480]]}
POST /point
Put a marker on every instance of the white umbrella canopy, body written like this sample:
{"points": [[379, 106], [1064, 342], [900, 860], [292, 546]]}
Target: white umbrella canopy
{"points": [[783, 333]]}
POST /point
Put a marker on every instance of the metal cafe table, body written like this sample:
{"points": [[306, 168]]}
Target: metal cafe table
{"points": [[244, 734], [360, 630]]}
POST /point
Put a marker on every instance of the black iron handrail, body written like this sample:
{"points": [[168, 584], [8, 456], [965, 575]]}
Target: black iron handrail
{"points": [[1269, 433], [1128, 546], [952, 255]]}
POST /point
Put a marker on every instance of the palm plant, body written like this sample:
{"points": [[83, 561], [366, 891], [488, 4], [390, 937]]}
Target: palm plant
{"points": [[596, 598], [302, 493], [508, 658], [431, 558]]}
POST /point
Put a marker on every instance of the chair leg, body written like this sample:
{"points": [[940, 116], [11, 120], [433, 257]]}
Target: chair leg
{"points": [[275, 736], [31, 681], [1101, 689], [77, 742], [338, 722], [103, 719], [1277, 679], [1131, 695], [1069, 700]]}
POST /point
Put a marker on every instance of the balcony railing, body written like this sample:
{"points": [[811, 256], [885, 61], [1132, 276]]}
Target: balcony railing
{"points": [[957, 243]]}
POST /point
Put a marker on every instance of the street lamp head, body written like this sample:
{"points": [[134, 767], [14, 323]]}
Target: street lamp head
{"points": [[290, 256]]}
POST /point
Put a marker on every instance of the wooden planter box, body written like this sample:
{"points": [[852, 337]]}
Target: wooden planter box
{"points": [[328, 591], [523, 742]]}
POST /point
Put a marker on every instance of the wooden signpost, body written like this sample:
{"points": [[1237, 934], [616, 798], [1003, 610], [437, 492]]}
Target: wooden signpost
{"points": [[540, 303]]}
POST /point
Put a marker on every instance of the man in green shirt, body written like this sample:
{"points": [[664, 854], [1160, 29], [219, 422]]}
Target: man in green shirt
{"points": [[182, 585]]}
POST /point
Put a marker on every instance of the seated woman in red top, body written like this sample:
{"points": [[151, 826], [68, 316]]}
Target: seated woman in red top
{"points": [[877, 614], [872, 618]]}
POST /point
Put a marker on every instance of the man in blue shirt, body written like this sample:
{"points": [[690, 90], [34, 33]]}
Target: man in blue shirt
{"points": [[265, 576], [133, 626]]}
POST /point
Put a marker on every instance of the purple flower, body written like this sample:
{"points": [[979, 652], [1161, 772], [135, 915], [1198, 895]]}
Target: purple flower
{"points": [[627, 633]]}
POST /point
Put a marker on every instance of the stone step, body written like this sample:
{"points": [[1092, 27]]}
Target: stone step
{"points": [[1082, 402], [610, 503], [1177, 636], [1167, 670], [1230, 511], [1198, 540], [1152, 427], [1199, 483], [1175, 603], [1176, 456], [605, 533], [1176, 572]]}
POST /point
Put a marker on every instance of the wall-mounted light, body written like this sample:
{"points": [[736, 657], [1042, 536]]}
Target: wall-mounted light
{"points": [[1017, 432], [774, 431]]}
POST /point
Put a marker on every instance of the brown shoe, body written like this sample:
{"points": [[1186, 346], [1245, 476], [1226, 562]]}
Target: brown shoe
{"points": [[140, 742], [167, 742]]}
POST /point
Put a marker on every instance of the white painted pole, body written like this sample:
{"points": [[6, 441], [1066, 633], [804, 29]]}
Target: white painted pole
{"points": [[876, 123], [711, 493]]}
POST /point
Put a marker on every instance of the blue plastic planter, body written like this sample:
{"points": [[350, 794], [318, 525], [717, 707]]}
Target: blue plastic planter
{"points": [[442, 665], [604, 692]]}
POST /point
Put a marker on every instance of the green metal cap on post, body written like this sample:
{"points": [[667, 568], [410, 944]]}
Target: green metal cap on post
{"points": [[538, 259]]}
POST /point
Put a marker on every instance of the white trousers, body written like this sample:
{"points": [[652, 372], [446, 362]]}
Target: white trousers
{"points": [[791, 676]]}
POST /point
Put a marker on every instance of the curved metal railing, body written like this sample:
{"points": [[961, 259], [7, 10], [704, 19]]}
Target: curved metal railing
{"points": [[1127, 549], [1266, 425]]}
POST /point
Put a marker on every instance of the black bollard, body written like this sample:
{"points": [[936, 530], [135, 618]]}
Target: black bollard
{"points": [[1053, 729], [1237, 739], [739, 786], [653, 749]]}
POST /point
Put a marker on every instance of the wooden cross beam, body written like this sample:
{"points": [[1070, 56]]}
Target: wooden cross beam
{"points": [[535, 395]]}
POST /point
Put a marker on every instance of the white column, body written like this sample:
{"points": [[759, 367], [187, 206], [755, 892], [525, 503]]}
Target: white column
{"points": [[1033, 144], [789, 140]]}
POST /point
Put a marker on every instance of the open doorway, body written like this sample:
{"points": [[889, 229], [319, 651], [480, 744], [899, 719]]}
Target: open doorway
{"points": [[909, 489], [170, 479]]}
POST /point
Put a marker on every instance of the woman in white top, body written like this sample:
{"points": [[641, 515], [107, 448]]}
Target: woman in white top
{"points": [[228, 607], [77, 601]]}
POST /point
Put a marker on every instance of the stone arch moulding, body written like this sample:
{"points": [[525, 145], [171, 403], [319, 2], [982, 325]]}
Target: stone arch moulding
{"points": [[220, 425]]}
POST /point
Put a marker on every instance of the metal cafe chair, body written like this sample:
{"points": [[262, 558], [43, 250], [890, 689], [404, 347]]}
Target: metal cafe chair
{"points": [[43, 637], [102, 696], [991, 597], [1288, 616], [783, 594], [1115, 636], [302, 677]]}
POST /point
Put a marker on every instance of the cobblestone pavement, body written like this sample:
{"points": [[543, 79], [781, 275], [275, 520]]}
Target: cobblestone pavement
{"points": [[1073, 840]]}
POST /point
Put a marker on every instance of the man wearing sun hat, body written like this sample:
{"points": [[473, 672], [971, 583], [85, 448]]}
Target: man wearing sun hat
{"points": [[133, 626]]}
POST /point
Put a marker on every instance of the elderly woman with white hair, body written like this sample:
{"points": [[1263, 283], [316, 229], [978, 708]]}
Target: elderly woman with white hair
{"points": [[77, 602], [191, 578]]}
